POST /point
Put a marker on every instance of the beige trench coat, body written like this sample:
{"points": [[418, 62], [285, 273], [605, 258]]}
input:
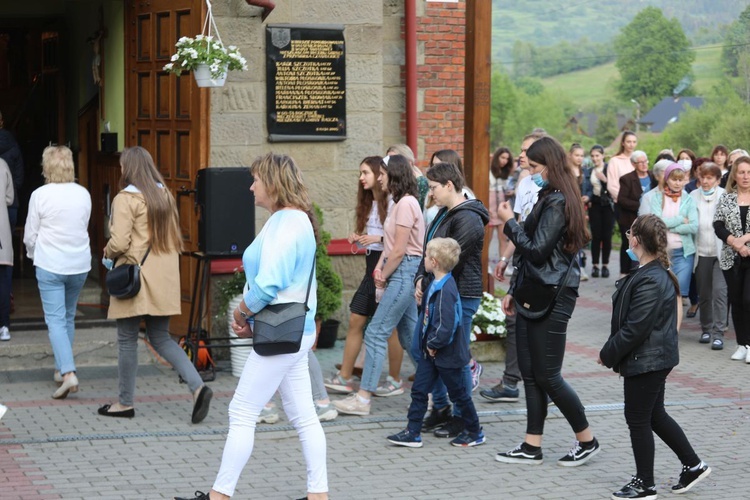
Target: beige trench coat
{"points": [[160, 274]]}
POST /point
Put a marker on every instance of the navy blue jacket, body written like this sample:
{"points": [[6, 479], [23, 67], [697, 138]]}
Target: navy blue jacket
{"points": [[441, 329], [11, 153]]}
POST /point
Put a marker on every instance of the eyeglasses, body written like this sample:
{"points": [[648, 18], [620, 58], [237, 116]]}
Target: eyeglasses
{"points": [[433, 187], [627, 233]]}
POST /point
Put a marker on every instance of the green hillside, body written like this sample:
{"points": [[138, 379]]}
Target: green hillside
{"points": [[547, 22], [594, 85]]}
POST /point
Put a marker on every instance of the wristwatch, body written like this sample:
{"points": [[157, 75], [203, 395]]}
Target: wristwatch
{"points": [[503, 259], [243, 314]]}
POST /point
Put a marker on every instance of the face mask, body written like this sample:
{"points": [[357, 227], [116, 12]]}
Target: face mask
{"points": [[631, 254], [537, 178], [709, 192], [685, 164]]}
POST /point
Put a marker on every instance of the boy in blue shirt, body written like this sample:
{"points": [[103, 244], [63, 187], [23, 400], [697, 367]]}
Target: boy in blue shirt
{"points": [[444, 349]]}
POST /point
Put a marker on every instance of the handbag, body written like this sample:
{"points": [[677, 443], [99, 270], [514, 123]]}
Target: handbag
{"points": [[536, 300], [278, 328], [124, 282]]}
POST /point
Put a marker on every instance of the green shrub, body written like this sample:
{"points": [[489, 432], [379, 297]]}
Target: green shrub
{"points": [[330, 285]]}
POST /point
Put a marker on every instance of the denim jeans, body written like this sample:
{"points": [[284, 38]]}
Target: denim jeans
{"points": [[682, 267], [469, 306], [645, 415], [428, 374], [6, 282], [59, 294], [397, 309]]}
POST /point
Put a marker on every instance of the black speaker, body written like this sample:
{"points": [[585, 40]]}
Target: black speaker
{"points": [[227, 210]]}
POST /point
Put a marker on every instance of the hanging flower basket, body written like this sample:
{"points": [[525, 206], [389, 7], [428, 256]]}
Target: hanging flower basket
{"points": [[206, 56], [204, 78]]}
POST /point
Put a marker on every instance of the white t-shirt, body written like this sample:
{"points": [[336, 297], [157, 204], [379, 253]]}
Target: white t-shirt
{"points": [[374, 227], [526, 196], [56, 232]]}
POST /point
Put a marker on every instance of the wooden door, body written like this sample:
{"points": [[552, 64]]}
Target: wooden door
{"points": [[167, 115]]}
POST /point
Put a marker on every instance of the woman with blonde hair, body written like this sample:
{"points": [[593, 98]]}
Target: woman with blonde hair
{"points": [[145, 229], [278, 265], [57, 240]]}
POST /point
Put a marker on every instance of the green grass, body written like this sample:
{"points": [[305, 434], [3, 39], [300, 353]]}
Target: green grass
{"points": [[594, 85]]}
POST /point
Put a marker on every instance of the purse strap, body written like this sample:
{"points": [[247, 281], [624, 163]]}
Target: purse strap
{"points": [[309, 283], [565, 278], [148, 250]]}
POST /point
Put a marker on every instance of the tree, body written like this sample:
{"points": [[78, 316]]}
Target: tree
{"points": [[736, 43], [653, 55]]}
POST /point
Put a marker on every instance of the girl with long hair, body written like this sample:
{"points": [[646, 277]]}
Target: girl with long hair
{"points": [[369, 215], [145, 222], [501, 168], [548, 243], [601, 214]]}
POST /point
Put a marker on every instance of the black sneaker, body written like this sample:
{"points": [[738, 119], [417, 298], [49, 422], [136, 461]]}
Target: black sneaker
{"points": [[705, 338], [689, 478], [451, 429], [635, 489], [717, 345], [605, 272], [437, 418], [199, 495], [594, 272], [521, 455], [579, 455], [500, 394], [406, 438]]}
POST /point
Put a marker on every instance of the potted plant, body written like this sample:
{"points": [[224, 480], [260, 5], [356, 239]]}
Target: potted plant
{"points": [[489, 321], [207, 58], [330, 288]]}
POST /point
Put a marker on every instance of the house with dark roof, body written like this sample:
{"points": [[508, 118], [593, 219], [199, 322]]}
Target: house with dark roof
{"points": [[668, 111]]}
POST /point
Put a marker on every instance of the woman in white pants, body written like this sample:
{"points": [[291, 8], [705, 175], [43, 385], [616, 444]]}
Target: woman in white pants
{"points": [[278, 268]]}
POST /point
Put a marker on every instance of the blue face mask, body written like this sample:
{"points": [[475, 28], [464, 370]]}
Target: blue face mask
{"points": [[631, 254], [709, 192], [537, 178]]}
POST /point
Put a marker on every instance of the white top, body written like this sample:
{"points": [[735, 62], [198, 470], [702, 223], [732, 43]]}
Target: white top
{"points": [[374, 226], [56, 232], [527, 193]]}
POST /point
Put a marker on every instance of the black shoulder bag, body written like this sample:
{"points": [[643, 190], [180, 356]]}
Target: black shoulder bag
{"points": [[124, 282], [278, 328], [536, 300]]}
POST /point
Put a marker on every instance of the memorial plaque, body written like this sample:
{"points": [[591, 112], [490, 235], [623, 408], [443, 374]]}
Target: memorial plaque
{"points": [[305, 83]]}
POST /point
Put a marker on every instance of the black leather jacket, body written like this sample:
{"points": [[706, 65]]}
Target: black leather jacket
{"points": [[539, 243], [644, 323], [465, 224]]}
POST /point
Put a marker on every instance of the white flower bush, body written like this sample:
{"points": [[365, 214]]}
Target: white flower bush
{"points": [[489, 318], [192, 52]]}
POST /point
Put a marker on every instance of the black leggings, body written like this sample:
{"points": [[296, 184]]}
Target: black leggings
{"points": [[738, 293], [541, 349], [602, 220], [644, 413]]}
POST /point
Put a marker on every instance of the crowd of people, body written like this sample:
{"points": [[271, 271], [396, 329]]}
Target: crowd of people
{"points": [[684, 238]]}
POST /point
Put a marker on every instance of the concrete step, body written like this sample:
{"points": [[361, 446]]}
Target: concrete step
{"points": [[93, 346]]}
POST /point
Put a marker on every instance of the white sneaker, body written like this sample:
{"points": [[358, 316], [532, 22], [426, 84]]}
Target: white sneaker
{"points": [[740, 353], [584, 276], [391, 388], [4, 333], [3, 409], [326, 413], [268, 415], [747, 356]]}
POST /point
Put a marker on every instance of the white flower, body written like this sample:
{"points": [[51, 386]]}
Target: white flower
{"points": [[175, 57], [168, 67], [198, 38]]}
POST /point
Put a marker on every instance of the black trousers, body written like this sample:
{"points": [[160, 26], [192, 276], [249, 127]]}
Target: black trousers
{"points": [[602, 221], [738, 293], [541, 349], [645, 415], [625, 261]]}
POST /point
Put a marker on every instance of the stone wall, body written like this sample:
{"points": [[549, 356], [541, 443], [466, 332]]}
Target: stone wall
{"points": [[375, 100]]}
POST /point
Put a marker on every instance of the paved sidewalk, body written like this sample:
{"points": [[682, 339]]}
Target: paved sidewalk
{"points": [[61, 449]]}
